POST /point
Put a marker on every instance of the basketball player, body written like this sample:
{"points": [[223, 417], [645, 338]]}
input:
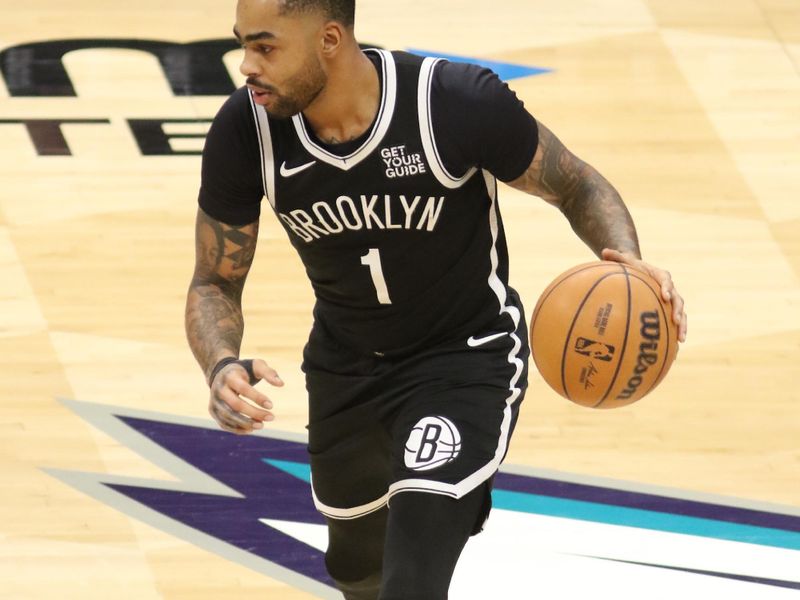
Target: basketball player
{"points": [[382, 167]]}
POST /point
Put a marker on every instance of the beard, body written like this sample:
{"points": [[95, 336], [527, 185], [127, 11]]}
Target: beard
{"points": [[300, 90]]}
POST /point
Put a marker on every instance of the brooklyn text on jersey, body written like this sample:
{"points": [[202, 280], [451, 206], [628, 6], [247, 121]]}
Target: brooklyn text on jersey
{"points": [[330, 218]]}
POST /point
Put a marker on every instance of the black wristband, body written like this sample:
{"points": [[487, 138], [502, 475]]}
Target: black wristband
{"points": [[246, 363]]}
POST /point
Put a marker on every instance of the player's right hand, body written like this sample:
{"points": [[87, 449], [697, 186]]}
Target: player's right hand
{"points": [[235, 404]]}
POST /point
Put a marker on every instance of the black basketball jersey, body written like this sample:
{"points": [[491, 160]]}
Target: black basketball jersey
{"points": [[401, 252]]}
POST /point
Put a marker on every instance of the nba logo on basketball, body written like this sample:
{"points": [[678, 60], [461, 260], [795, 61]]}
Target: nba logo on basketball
{"points": [[434, 441]]}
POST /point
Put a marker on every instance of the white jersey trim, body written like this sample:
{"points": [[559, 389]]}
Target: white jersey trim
{"points": [[382, 121], [265, 147], [468, 484], [346, 514], [426, 129]]}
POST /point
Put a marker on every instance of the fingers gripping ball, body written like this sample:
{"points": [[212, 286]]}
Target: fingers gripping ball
{"points": [[602, 336]]}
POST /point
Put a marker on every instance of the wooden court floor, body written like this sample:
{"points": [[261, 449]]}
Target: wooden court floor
{"points": [[692, 109]]}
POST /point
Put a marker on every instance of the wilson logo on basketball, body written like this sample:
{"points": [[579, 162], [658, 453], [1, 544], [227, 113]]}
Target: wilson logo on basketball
{"points": [[648, 352], [433, 442]]}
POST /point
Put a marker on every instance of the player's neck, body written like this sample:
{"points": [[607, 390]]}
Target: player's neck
{"points": [[347, 106]]}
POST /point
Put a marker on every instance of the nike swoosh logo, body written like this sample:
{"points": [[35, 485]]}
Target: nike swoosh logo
{"points": [[474, 342], [295, 170]]}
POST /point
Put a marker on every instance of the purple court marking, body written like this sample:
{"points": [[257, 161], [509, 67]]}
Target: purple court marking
{"points": [[793, 585], [236, 461], [242, 464], [644, 501]]}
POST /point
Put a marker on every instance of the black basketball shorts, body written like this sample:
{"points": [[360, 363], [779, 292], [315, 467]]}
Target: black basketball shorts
{"points": [[439, 421]]}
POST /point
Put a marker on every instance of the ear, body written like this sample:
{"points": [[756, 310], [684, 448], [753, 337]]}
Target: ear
{"points": [[332, 37]]}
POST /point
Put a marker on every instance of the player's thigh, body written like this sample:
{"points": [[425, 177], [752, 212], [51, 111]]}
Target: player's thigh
{"points": [[449, 441], [425, 536], [453, 432], [350, 457], [355, 546]]}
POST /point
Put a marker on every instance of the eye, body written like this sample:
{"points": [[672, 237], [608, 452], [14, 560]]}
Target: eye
{"points": [[264, 49]]}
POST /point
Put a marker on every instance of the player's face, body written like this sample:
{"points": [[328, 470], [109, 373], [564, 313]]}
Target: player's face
{"points": [[283, 70]]}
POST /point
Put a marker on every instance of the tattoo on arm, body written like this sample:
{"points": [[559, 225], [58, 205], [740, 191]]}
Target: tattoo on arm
{"points": [[214, 321], [334, 140], [593, 207]]}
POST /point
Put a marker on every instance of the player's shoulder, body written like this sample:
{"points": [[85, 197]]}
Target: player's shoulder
{"points": [[407, 65], [407, 59], [236, 111], [464, 80], [451, 79], [450, 72], [233, 134], [234, 124]]}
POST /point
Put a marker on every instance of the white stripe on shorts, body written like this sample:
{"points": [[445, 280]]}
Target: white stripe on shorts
{"points": [[463, 487], [345, 514]]}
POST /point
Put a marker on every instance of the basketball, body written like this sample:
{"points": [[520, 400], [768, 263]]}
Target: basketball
{"points": [[602, 336]]}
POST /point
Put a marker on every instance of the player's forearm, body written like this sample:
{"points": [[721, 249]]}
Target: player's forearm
{"points": [[591, 204], [598, 215], [214, 322]]}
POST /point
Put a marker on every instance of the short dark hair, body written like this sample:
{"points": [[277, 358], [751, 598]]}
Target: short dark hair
{"points": [[343, 11]]}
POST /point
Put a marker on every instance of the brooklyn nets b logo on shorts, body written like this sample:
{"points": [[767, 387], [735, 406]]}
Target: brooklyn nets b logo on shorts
{"points": [[434, 441]]}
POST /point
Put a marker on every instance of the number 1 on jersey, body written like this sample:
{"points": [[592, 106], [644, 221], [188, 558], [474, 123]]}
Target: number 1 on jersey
{"points": [[372, 259]]}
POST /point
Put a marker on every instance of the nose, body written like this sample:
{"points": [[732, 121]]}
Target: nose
{"points": [[248, 66]]}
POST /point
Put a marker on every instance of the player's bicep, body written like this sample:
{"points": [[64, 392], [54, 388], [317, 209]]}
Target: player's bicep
{"points": [[555, 174], [223, 253]]}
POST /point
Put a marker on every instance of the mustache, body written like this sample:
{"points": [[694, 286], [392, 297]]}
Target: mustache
{"points": [[264, 86]]}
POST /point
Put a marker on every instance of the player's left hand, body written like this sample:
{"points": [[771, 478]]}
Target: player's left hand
{"points": [[235, 404], [668, 291]]}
